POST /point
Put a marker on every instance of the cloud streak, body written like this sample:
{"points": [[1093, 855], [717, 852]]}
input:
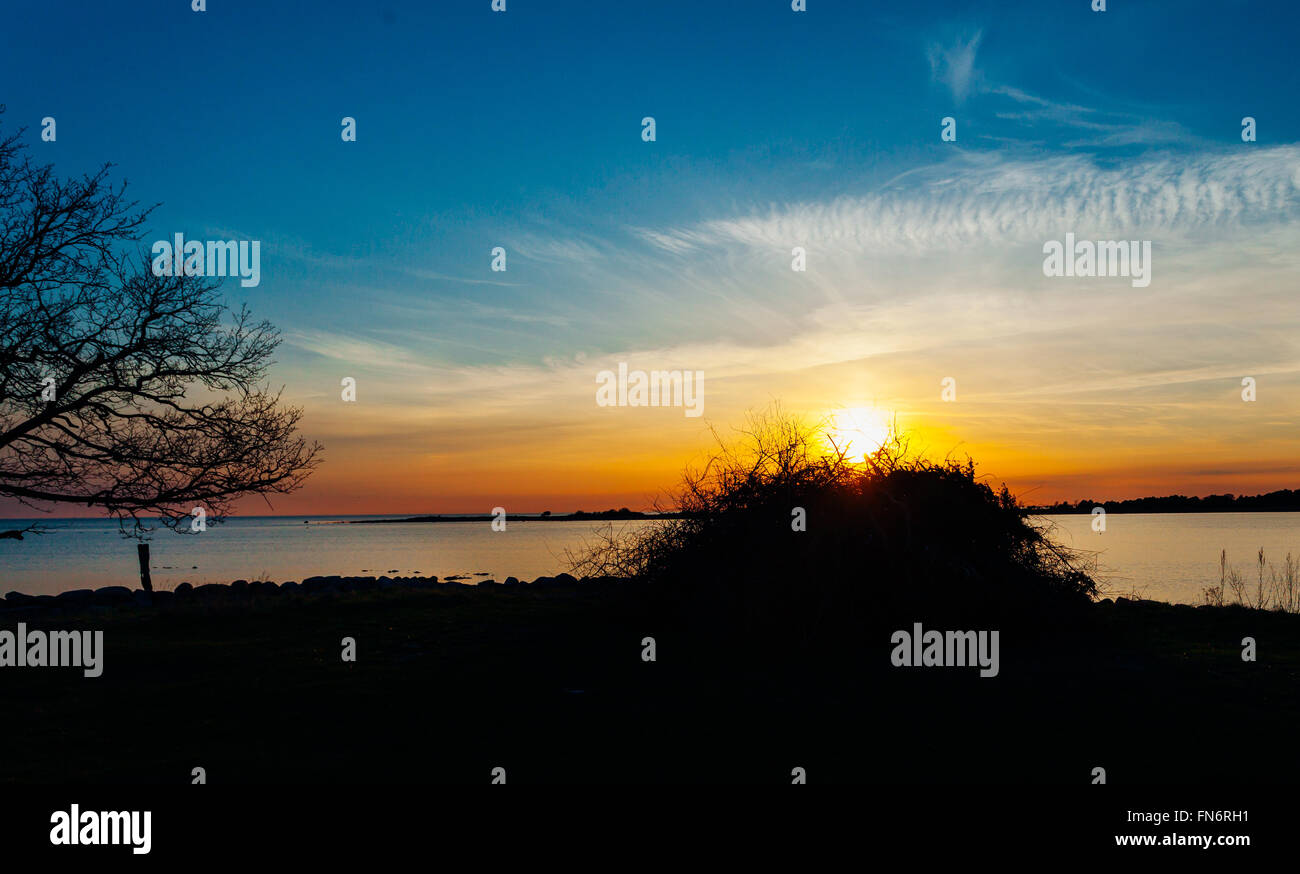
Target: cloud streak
{"points": [[976, 201], [954, 65]]}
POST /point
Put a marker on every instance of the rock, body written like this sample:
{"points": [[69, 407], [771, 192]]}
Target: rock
{"points": [[601, 581], [511, 581], [113, 595], [239, 586], [141, 598], [76, 596], [162, 597], [488, 583], [18, 598], [322, 584], [211, 591], [184, 589], [555, 582], [291, 586]]}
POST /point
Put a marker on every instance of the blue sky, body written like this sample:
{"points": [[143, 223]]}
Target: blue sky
{"points": [[774, 129]]}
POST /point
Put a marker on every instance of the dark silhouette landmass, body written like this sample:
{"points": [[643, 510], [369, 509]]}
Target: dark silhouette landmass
{"points": [[749, 639], [576, 516], [548, 681], [1283, 500]]}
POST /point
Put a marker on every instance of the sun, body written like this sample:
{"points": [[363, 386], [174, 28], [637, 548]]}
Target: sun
{"points": [[860, 430]]}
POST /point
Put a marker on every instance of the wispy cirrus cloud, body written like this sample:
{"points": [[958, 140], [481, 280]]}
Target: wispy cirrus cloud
{"points": [[1105, 128], [353, 350], [466, 280], [976, 199], [954, 64], [569, 248]]}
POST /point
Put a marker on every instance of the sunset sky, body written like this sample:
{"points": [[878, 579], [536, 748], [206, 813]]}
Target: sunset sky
{"points": [[775, 129]]}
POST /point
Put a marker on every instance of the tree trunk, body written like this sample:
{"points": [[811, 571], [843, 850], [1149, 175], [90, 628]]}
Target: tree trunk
{"points": [[142, 549]]}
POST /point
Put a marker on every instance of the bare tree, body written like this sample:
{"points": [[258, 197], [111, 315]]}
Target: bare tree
{"points": [[119, 389]]}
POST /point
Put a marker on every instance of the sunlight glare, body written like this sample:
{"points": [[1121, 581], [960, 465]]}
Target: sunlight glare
{"points": [[860, 430]]}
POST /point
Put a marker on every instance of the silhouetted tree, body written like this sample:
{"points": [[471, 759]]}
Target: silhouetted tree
{"points": [[883, 541], [119, 389]]}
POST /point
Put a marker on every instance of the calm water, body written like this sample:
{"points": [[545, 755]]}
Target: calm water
{"points": [[1167, 557], [1173, 557], [88, 553]]}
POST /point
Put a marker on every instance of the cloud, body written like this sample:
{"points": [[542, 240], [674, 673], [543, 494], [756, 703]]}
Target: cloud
{"points": [[954, 65], [443, 277], [1109, 128], [356, 351], [935, 272], [975, 200], [572, 248], [1047, 105]]}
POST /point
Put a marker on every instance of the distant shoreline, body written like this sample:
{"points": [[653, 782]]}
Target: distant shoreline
{"points": [[578, 516], [1280, 501], [1055, 511]]}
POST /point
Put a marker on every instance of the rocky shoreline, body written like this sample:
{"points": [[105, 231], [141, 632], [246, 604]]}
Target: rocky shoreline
{"points": [[110, 597]]}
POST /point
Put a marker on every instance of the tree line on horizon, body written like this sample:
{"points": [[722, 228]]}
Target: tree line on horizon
{"points": [[1278, 501]]}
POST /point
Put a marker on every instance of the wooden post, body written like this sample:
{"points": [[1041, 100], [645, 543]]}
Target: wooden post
{"points": [[142, 549]]}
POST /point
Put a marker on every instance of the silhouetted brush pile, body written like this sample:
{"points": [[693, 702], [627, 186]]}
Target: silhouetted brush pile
{"points": [[784, 535]]}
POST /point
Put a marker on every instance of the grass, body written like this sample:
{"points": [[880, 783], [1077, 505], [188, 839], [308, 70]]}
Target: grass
{"points": [[1274, 587]]}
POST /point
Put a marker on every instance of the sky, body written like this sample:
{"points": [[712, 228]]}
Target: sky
{"points": [[774, 129]]}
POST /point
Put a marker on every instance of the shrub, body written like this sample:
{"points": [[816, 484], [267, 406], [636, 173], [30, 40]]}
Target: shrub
{"points": [[890, 539]]}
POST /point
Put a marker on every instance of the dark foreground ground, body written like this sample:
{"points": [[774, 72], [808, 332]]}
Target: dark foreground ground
{"points": [[549, 683]]}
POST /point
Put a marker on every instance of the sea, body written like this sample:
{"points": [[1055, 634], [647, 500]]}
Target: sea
{"points": [[1167, 557]]}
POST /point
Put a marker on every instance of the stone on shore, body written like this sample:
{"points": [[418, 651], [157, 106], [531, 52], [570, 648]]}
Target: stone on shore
{"points": [[112, 595], [109, 598]]}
